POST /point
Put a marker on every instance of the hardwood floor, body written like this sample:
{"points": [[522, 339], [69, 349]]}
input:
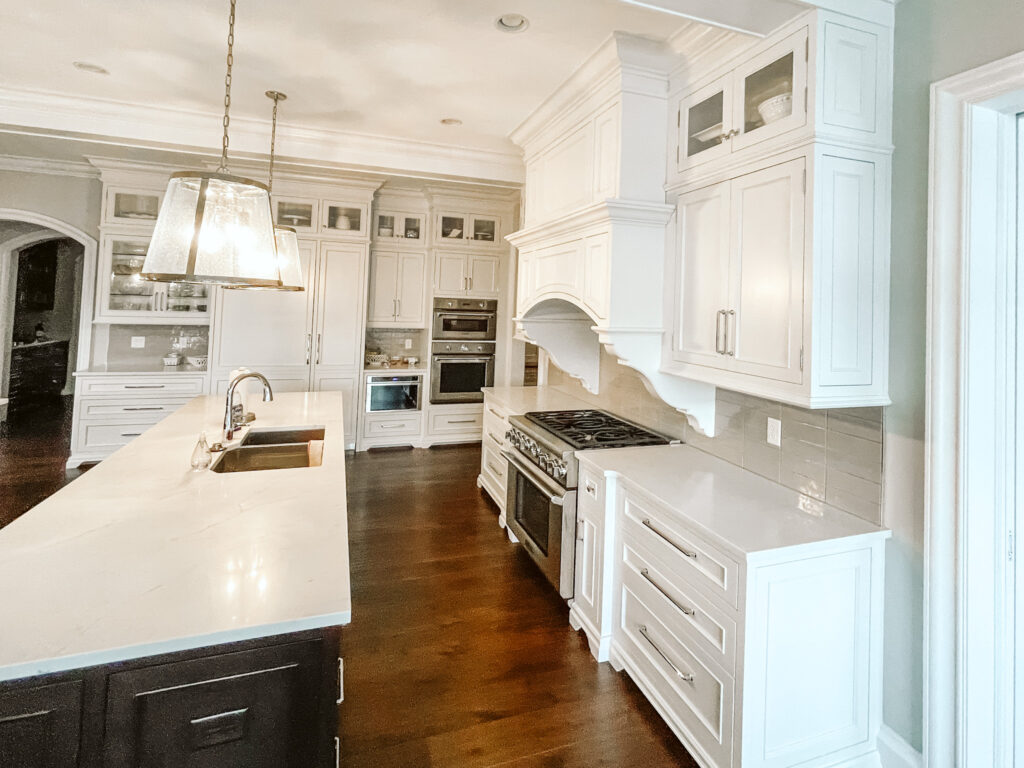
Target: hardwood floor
{"points": [[33, 451], [460, 653]]}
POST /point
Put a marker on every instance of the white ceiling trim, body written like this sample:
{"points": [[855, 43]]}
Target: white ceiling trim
{"points": [[159, 127], [47, 166]]}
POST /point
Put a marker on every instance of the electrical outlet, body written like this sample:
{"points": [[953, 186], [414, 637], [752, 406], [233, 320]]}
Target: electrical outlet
{"points": [[774, 433], [138, 342], [408, 343]]}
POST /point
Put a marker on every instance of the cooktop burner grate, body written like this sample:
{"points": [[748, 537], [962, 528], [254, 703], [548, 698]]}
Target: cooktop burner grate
{"points": [[595, 429]]}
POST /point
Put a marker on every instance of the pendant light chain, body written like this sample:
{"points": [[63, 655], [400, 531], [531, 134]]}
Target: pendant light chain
{"points": [[273, 140], [227, 88]]}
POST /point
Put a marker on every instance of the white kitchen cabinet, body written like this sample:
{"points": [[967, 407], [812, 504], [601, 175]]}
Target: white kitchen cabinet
{"points": [[493, 476], [754, 628], [823, 75], [301, 341], [476, 229], [398, 283], [476, 275], [399, 228], [805, 316], [124, 297], [454, 423], [344, 219], [130, 205]]}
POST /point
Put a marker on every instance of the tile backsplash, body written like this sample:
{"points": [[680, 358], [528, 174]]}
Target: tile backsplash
{"points": [[391, 341], [831, 455]]}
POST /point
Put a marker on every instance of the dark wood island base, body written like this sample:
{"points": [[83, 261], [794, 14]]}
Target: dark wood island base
{"points": [[265, 703]]}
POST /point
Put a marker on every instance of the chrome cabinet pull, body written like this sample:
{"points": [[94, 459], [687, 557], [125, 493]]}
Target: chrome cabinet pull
{"points": [[470, 283], [659, 534], [144, 386], [319, 347], [309, 347], [398, 313], [718, 332], [657, 586], [143, 408], [494, 469], [130, 434], [730, 339], [462, 421], [495, 413], [686, 677], [581, 531], [394, 308], [496, 440]]}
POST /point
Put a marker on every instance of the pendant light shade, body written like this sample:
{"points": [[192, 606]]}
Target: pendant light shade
{"points": [[214, 228], [288, 259]]}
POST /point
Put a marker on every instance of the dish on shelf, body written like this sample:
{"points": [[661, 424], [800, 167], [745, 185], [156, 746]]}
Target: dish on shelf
{"points": [[199, 361], [776, 108], [296, 220], [376, 359], [453, 234], [172, 360], [708, 134], [136, 215]]}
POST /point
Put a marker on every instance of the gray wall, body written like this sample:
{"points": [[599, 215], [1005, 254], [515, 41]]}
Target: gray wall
{"points": [[934, 39], [73, 200]]}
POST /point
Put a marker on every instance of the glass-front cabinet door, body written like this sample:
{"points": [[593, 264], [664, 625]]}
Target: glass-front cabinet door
{"points": [[399, 226], [452, 227], [300, 215], [343, 219], [484, 229], [123, 205], [771, 92], [705, 120], [124, 295]]}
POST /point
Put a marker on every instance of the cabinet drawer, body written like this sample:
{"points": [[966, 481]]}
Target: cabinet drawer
{"points": [[494, 432], [254, 708], [97, 436], [679, 606], [493, 464], [683, 551], [392, 426], [493, 410], [690, 691], [102, 386], [456, 423], [41, 727], [136, 410]]}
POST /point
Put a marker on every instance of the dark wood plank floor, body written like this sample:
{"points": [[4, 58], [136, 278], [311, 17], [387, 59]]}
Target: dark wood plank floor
{"points": [[33, 452], [460, 653]]}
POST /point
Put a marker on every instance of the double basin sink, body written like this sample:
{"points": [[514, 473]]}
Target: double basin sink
{"points": [[286, 448]]}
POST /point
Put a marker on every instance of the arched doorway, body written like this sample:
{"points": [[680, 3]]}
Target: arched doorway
{"points": [[47, 281]]}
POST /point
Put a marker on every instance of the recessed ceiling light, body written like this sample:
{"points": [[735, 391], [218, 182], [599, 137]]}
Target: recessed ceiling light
{"points": [[512, 22], [451, 121], [85, 66]]}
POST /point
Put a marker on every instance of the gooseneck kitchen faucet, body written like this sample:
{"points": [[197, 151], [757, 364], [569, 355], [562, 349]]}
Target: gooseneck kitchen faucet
{"points": [[235, 420]]}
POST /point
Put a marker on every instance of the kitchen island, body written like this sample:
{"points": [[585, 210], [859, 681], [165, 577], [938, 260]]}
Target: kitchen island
{"points": [[151, 609]]}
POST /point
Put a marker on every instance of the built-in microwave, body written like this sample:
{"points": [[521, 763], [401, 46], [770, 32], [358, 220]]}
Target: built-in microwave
{"points": [[465, 319], [393, 393]]}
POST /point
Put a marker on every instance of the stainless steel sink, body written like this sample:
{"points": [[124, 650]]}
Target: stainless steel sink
{"points": [[254, 458], [283, 436]]}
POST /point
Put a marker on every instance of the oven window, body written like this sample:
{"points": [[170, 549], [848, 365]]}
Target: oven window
{"points": [[463, 325], [533, 511], [393, 397], [459, 378]]}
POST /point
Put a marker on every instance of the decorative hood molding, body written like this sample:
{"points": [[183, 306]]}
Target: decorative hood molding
{"points": [[592, 255]]}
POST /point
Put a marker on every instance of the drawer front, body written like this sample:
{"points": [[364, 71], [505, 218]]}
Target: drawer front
{"points": [[456, 423], [394, 426], [686, 554], [494, 465], [680, 607], [591, 487], [136, 410], [495, 411], [691, 691], [110, 386], [97, 436], [494, 432]]}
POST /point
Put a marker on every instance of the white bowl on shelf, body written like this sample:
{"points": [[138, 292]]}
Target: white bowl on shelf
{"points": [[198, 361], [776, 108]]}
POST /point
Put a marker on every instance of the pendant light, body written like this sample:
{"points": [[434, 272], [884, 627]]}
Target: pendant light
{"points": [[285, 239], [215, 227]]}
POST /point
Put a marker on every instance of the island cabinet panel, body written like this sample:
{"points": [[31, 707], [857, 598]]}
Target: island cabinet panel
{"points": [[40, 727], [246, 710]]}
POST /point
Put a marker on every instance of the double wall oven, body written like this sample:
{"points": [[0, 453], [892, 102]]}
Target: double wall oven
{"points": [[462, 350]]}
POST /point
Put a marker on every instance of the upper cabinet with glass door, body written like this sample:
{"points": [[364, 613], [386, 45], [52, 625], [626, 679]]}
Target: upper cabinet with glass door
{"points": [[823, 76], [400, 228], [125, 297], [130, 206], [475, 229], [326, 218]]}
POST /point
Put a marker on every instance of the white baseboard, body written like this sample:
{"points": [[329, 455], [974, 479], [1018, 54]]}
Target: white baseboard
{"points": [[896, 752]]}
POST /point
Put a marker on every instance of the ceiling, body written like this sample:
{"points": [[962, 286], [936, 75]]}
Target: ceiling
{"points": [[389, 67]]}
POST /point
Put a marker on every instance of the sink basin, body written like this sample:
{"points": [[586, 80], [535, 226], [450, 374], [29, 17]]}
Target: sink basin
{"points": [[283, 436], [254, 458]]}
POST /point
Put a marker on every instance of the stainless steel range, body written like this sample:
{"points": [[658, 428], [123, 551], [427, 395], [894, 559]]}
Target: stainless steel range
{"points": [[543, 469]]}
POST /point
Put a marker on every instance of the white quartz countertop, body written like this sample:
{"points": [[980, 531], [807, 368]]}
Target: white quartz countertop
{"points": [[141, 555], [738, 510], [523, 399]]}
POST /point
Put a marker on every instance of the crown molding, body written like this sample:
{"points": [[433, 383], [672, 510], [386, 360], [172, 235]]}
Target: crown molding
{"points": [[71, 168], [181, 130]]}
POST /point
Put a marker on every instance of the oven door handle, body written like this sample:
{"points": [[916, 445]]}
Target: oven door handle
{"points": [[542, 482], [461, 359]]}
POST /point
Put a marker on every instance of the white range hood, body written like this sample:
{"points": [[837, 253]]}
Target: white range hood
{"points": [[593, 250]]}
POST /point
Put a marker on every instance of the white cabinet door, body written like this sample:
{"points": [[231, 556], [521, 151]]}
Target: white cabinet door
{"points": [[264, 329], [702, 276], [483, 276], [765, 333], [450, 274], [411, 296], [384, 269], [705, 118], [587, 589], [341, 293], [348, 386]]}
